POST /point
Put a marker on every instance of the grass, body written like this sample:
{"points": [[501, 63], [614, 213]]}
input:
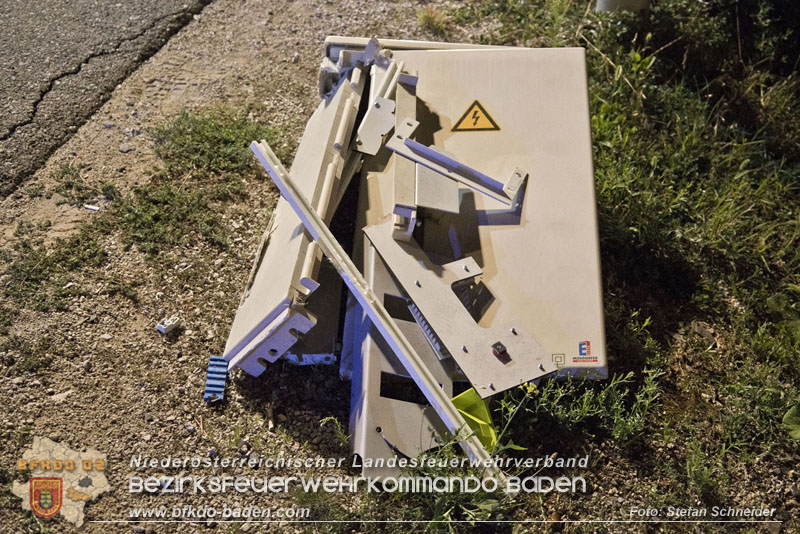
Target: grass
{"points": [[342, 436], [123, 288], [31, 356], [705, 473], [163, 214], [611, 407], [205, 162], [213, 142], [39, 274], [205, 157], [7, 316], [433, 20], [323, 507], [72, 188]]}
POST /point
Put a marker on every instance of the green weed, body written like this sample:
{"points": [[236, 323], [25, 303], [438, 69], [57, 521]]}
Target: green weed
{"points": [[612, 406], [456, 511], [123, 288], [29, 356], [323, 506], [342, 436], [433, 20], [214, 141], [38, 273], [705, 472], [162, 215], [7, 316], [791, 421], [72, 187], [205, 157]]}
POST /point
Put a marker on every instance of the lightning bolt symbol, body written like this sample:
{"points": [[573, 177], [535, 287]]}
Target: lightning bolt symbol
{"points": [[475, 117]]}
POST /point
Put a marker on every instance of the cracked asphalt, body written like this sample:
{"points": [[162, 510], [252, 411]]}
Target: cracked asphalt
{"points": [[60, 61]]}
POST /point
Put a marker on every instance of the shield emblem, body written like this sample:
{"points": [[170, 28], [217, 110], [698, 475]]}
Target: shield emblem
{"points": [[46, 495]]}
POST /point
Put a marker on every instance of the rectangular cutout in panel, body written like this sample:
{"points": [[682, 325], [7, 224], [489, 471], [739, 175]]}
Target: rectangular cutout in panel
{"points": [[397, 307], [401, 388]]}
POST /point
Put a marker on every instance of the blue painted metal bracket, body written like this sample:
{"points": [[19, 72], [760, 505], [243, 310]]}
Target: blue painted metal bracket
{"points": [[215, 379]]}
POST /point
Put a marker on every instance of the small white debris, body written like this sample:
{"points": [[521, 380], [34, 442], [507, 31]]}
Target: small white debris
{"points": [[91, 208], [165, 326], [61, 396]]}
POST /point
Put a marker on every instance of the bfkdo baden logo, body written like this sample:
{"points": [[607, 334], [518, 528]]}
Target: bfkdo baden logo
{"points": [[46, 495], [61, 481]]}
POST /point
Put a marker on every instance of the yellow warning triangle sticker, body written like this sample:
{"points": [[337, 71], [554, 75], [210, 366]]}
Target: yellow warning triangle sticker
{"points": [[475, 119]]}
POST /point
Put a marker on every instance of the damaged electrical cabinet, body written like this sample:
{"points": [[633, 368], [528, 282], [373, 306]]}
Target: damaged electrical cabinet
{"points": [[467, 173]]}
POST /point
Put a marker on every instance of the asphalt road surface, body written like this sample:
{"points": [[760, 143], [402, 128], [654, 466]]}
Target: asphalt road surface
{"points": [[59, 62]]}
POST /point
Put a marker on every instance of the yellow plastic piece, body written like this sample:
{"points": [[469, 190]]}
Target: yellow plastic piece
{"points": [[476, 412]]}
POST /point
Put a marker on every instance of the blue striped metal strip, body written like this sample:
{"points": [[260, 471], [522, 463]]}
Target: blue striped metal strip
{"points": [[215, 379]]}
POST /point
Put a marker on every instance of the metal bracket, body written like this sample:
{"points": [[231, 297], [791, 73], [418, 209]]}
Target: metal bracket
{"points": [[446, 165], [404, 180], [377, 122], [273, 341], [474, 348]]}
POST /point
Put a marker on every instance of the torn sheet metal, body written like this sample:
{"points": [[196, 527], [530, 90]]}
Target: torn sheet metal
{"points": [[475, 231], [412, 362], [383, 395], [390, 415], [310, 359]]}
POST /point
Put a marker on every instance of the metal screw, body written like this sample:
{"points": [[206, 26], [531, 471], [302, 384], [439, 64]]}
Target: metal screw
{"points": [[418, 284], [464, 348], [514, 331], [466, 268], [541, 367]]}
